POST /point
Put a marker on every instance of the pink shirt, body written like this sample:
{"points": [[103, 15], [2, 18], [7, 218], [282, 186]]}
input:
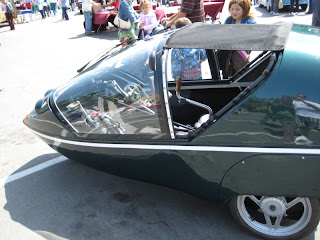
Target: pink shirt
{"points": [[149, 21], [4, 7]]}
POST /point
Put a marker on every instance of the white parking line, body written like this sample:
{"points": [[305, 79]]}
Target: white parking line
{"points": [[31, 170]]}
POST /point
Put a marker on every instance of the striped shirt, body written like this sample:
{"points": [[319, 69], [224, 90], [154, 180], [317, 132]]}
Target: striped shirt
{"points": [[194, 10]]}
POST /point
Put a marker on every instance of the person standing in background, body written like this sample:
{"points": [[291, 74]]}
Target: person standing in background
{"points": [[275, 8], [192, 9], [64, 7], [126, 12], [8, 10], [72, 5], [40, 8], [292, 7], [46, 8], [87, 12], [316, 13], [309, 7], [53, 6]]}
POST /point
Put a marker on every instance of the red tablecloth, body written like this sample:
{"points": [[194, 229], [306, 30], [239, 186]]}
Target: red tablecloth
{"points": [[160, 13], [213, 8], [101, 17], [29, 5]]}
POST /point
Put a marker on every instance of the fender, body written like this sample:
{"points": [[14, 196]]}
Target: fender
{"points": [[273, 175]]}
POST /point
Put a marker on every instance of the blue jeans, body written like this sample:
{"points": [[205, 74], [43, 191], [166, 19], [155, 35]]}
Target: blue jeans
{"points": [[42, 14], [53, 7], [316, 13], [64, 13], [275, 6], [88, 21]]}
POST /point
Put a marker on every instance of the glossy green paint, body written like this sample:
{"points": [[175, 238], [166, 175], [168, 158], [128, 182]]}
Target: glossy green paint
{"points": [[274, 175], [268, 111], [267, 119], [198, 173]]}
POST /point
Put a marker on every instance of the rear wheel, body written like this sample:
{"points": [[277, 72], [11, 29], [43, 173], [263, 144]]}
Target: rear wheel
{"points": [[276, 217]]}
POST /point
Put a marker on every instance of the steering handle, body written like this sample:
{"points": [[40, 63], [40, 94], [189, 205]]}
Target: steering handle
{"points": [[178, 84]]}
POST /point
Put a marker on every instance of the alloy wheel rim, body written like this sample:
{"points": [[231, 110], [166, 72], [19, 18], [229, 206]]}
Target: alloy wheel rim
{"points": [[274, 211]]}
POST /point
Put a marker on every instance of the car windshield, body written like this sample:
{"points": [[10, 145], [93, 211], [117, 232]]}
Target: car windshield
{"points": [[118, 96]]}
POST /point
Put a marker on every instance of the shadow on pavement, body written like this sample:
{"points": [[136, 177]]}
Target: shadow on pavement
{"points": [[73, 201], [108, 35]]}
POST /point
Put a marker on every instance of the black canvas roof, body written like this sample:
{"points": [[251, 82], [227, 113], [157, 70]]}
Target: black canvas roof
{"points": [[261, 37]]}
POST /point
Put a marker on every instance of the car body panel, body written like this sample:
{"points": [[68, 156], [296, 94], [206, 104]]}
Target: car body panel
{"points": [[273, 175], [256, 127], [209, 163]]}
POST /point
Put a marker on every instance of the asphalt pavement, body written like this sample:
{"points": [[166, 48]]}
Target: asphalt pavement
{"points": [[46, 196]]}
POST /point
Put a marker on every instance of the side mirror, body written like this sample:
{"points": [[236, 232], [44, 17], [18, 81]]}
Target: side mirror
{"points": [[152, 61]]}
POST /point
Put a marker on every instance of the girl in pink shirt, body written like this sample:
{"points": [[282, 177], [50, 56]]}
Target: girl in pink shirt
{"points": [[148, 20]]}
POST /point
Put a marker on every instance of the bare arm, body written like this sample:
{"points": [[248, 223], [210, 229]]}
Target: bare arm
{"points": [[175, 17]]}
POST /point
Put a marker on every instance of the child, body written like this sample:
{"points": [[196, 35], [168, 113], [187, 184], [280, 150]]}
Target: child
{"points": [[186, 62], [240, 12], [148, 19], [232, 61], [126, 12], [126, 40]]}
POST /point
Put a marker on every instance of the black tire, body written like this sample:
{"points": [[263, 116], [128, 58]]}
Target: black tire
{"points": [[295, 222]]}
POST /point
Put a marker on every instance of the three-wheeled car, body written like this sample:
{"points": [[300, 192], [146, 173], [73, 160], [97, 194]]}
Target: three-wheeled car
{"points": [[250, 140]]}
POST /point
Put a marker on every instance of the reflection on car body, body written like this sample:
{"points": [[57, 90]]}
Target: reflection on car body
{"points": [[239, 140]]}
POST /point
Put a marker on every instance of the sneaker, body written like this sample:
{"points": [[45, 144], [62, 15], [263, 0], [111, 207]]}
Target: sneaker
{"points": [[297, 13], [90, 33], [272, 12], [275, 14], [291, 13]]}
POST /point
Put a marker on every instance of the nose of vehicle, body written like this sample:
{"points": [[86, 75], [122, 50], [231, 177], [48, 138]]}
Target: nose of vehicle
{"points": [[41, 105], [42, 118]]}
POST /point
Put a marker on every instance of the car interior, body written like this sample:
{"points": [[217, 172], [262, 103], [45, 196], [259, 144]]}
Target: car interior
{"points": [[196, 104]]}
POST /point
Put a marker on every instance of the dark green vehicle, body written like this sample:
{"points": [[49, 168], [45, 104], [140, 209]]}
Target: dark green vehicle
{"points": [[250, 140]]}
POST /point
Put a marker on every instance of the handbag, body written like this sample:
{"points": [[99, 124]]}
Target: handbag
{"points": [[280, 4], [122, 23]]}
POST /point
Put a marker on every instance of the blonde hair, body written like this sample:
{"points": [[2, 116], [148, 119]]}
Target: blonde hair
{"points": [[144, 2], [245, 5], [181, 22]]}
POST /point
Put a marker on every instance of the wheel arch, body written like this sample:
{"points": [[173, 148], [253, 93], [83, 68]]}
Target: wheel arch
{"points": [[273, 175]]}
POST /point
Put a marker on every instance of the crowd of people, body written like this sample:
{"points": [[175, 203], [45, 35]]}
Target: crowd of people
{"points": [[44, 7], [49, 7], [147, 21], [130, 21]]}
